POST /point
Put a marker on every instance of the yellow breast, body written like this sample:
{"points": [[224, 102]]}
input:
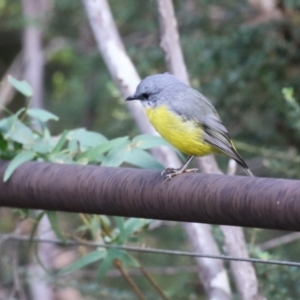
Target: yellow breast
{"points": [[187, 136]]}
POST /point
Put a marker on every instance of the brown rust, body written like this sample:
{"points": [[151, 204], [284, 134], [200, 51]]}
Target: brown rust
{"points": [[214, 199]]}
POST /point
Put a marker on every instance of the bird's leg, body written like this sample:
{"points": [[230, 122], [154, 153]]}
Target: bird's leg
{"points": [[169, 173]]}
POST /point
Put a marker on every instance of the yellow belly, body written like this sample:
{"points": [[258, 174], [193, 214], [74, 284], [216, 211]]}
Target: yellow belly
{"points": [[186, 136]]}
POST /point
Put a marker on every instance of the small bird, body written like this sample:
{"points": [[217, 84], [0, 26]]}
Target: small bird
{"points": [[186, 119]]}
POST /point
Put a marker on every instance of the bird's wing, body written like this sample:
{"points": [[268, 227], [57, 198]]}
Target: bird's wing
{"points": [[217, 135], [194, 106]]}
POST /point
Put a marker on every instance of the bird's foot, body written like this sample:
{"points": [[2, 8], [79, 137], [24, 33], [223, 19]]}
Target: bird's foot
{"points": [[169, 173]]}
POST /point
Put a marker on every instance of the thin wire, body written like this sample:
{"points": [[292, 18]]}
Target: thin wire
{"points": [[5, 237]]}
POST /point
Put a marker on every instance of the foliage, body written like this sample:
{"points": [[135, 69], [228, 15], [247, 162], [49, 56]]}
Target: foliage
{"points": [[294, 108], [25, 136], [287, 276], [22, 143]]}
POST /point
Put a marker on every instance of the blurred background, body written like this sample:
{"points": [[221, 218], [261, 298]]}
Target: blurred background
{"points": [[240, 54], [243, 55]]}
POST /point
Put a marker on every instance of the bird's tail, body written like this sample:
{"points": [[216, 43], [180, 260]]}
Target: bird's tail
{"points": [[240, 160], [248, 172]]}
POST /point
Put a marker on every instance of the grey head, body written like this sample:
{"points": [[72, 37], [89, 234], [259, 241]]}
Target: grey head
{"points": [[155, 89]]}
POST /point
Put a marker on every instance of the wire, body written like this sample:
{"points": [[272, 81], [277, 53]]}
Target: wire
{"points": [[6, 237]]}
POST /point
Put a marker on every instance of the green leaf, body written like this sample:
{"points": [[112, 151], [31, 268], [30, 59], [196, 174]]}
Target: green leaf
{"points": [[115, 160], [52, 216], [128, 260], [18, 113], [22, 86], [104, 221], [113, 254], [147, 141], [20, 133], [142, 159], [117, 155], [60, 158], [17, 161], [95, 154], [124, 257], [6, 123], [16, 131], [35, 226], [41, 114], [95, 226], [61, 142], [288, 94], [127, 228], [106, 264], [41, 146], [88, 259], [73, 146], [46, 133], [120, 223], [82, 161], [3, 143], [132, 225], [86, 139]]}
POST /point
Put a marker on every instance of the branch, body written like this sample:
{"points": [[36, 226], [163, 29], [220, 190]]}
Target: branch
{"points": [[245, 277], [175, 62], [153, 283], [212, 274], [115, 57], [118, 265], [35, 12], [279, 241], [125, 75], [17, 286], [122, 69], [170, 42], [7, 92], [268, 11]]}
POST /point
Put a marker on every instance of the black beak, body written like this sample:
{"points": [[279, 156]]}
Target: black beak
{"points": [[131, 98]]}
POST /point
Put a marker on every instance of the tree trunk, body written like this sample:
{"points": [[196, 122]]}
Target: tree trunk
{"points": [[34, 12], [244, 274], [33, 58], [212, 273]]}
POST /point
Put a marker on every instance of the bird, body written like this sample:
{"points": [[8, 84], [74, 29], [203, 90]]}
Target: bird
{"points": [[186, 119]]}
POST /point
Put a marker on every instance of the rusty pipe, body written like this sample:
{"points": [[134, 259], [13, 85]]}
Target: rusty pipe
{"points": [[203, 198]]}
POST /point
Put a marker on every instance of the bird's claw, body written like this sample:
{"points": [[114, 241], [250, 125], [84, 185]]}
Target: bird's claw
{"points": [[169, 173]]}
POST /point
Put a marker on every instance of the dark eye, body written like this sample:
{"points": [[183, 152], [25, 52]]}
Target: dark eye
{"points": [[145, 96]]}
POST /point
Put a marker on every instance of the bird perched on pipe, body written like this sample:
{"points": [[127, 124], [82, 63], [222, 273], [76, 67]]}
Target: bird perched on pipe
{"points": [[186, 119]]}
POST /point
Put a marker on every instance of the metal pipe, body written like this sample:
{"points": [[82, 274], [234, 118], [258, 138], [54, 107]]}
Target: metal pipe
{"points": [[214, 199]]}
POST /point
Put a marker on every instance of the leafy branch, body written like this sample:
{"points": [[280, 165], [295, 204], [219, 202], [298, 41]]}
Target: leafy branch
{"points": [[25, 136]]}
